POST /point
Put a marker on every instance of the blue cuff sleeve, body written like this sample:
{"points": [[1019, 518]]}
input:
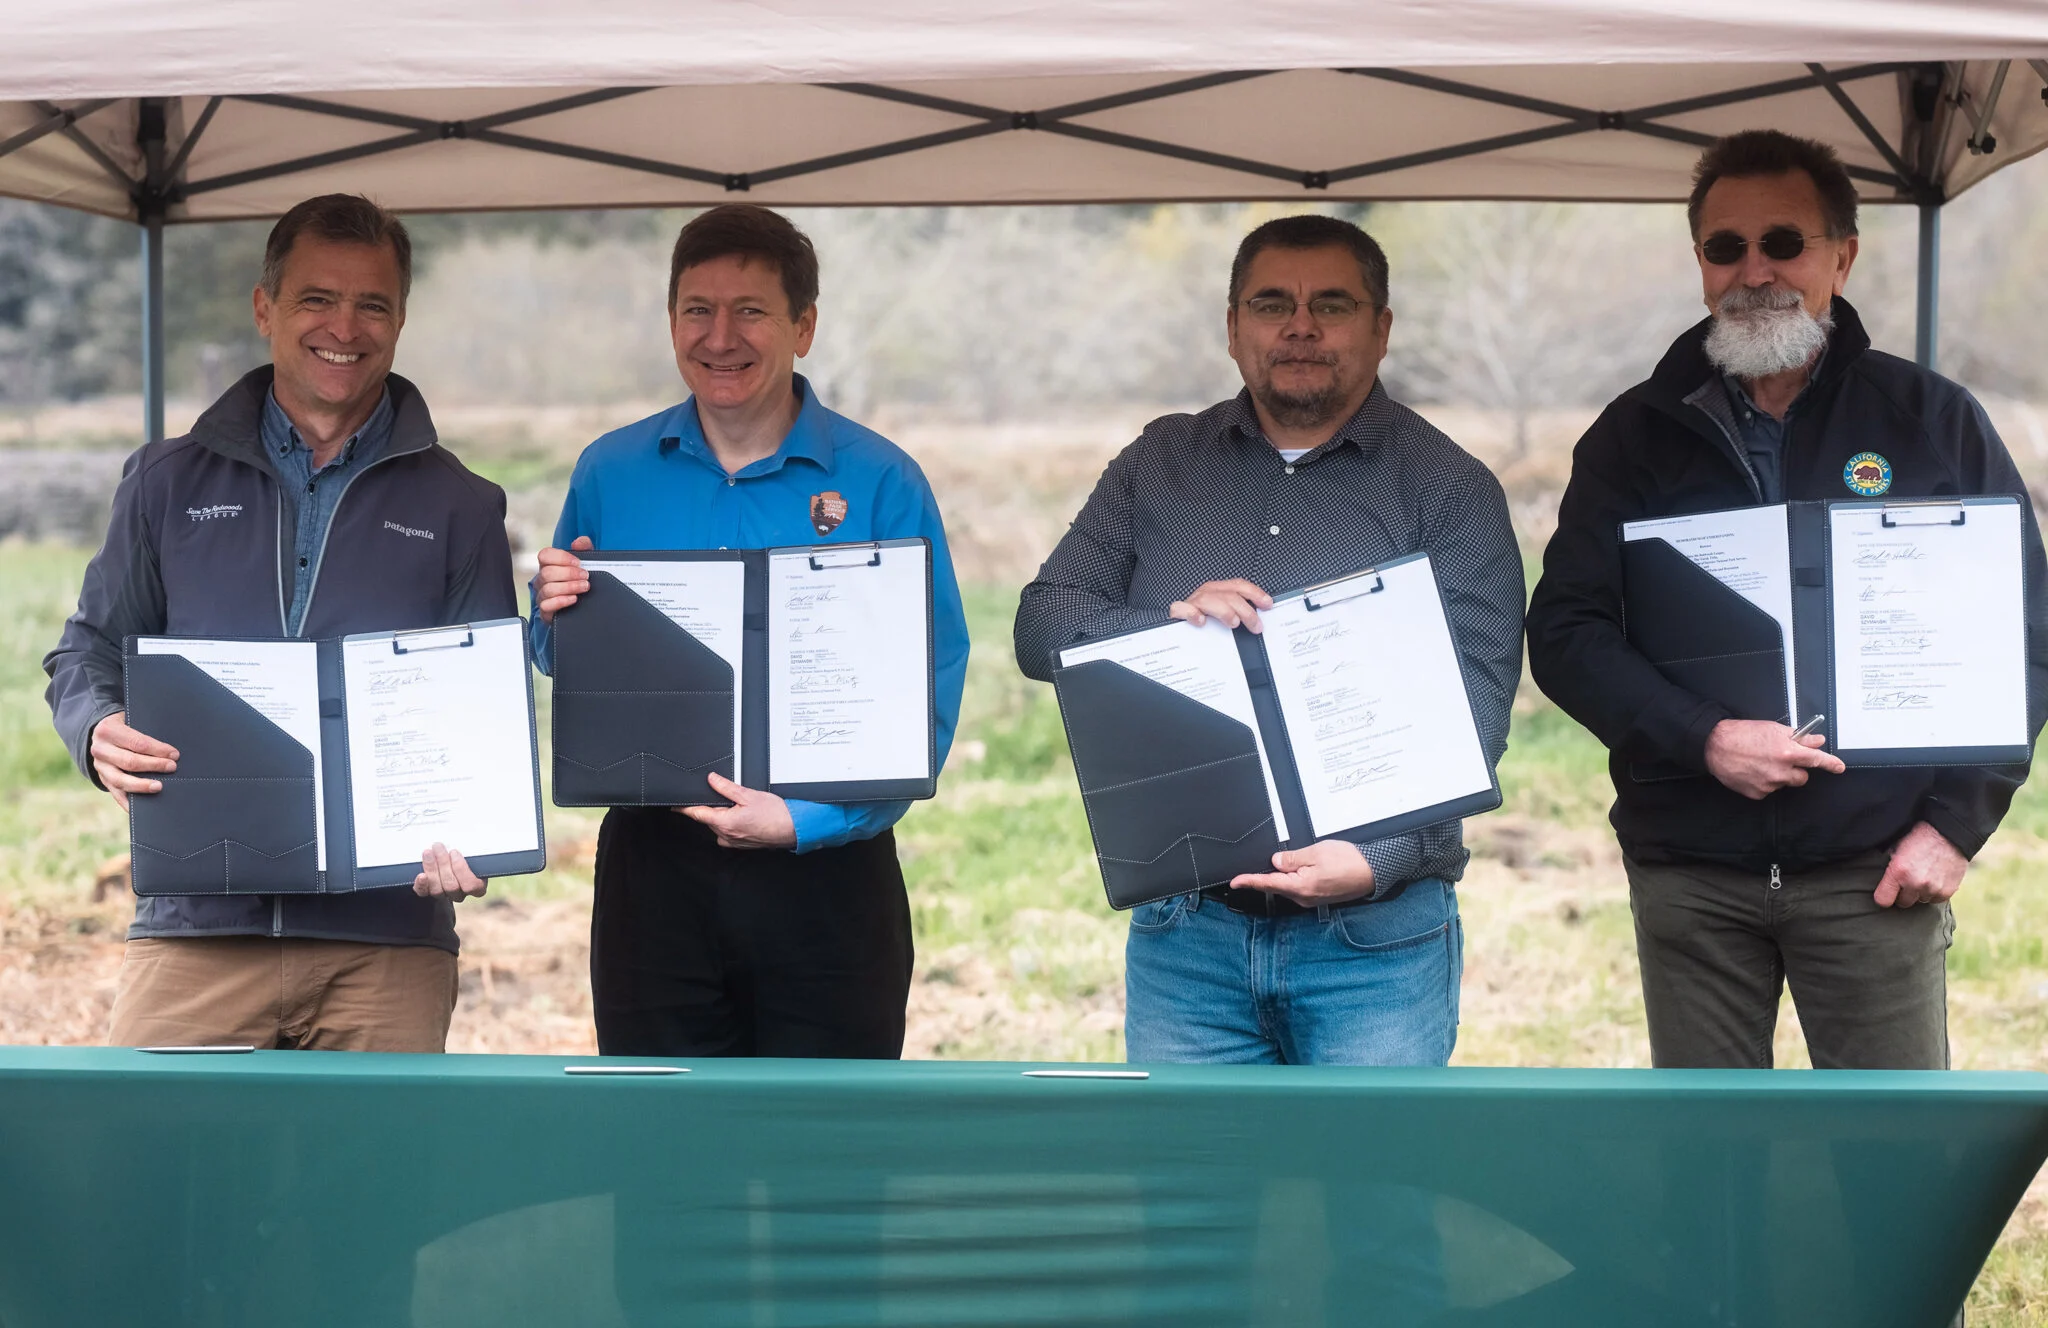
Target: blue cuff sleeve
{"points": [[829, 824]]}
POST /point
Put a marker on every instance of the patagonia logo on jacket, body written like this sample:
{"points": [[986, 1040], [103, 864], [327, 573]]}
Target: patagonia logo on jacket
{"points": [[412, 531], [214, 512]]}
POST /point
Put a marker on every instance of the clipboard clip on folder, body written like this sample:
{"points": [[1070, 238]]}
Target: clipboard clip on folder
{"points": [[431, 638], [1353, 587], [1895, 515], [821, 562]]}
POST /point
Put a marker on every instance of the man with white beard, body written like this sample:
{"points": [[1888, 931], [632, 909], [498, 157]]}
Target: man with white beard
{"points": [[1753, 857]]}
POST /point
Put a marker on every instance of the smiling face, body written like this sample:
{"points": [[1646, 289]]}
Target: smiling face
{"points": [[736, 340], [332, 326], [1306, 373], [1747, 208]]}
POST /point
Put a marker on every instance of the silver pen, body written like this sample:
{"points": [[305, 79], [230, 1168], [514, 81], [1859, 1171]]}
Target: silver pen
{"points": [[1808, 727]]}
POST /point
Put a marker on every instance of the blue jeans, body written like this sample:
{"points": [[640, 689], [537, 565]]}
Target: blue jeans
{"points": [[1374, 984]]}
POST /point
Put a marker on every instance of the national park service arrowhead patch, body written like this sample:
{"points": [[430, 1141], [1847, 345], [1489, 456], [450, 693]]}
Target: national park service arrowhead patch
{"points": [[828, 509]]}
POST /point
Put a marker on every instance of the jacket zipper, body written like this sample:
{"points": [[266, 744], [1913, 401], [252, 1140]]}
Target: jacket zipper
{"points": [[319, 557], [1777, 881], [320, 554], [277, 901]]}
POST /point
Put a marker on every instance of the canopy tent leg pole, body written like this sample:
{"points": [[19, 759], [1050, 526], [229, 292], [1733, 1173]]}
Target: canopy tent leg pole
{"points": [[1929, 307], [153, 329], [149, 210]]}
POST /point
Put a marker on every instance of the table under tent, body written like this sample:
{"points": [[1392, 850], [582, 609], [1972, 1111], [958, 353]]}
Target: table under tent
{"points": [[285, 1188]]}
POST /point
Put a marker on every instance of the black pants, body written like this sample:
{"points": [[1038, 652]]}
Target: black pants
{"points": [[697, 950]]}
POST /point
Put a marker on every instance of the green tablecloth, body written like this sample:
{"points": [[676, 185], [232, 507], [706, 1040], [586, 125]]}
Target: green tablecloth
{"points": [[303, 1189]]}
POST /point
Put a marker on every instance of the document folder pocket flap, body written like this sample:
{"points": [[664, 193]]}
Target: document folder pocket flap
{"points": [[236, 816], [1122, 727], [612, 640], [1182, 831], [229, 836], [642, 709], [641, 749], [1174, 792], [1700, 634], [215, 732]]}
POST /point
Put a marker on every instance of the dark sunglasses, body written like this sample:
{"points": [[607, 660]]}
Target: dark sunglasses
{"points": [[1781, 244]]}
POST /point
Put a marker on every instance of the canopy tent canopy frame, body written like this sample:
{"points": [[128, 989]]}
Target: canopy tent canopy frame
{"points": [[1914, 165]]}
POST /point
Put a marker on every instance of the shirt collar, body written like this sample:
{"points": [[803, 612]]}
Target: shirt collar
{"points": [[280, 435], [1369, 426], [1739, 397], [810, 437]]}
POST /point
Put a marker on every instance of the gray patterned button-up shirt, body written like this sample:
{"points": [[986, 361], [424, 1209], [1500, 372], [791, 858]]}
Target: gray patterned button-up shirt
{"points": [[1205, 497]]}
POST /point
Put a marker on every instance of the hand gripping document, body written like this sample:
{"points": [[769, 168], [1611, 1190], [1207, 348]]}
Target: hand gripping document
{"points": [[1201, 750], [1903, 624], [806, 671], [320, 767]]}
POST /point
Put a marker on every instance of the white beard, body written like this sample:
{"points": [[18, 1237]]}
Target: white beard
{"points": [[1764, 331]]}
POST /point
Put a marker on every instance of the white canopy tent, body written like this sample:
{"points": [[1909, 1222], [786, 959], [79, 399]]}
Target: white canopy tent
{"points": [[216, 109]]}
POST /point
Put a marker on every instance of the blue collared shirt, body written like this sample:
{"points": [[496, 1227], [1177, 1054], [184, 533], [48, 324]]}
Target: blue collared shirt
{"points": [[313, 493], [1763, 437], [658, 485]]}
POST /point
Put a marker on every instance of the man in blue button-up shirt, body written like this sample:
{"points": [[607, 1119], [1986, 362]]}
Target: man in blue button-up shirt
{"points": [[771, 927]]}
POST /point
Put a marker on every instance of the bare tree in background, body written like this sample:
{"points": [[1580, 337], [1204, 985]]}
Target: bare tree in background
{"points": [[1522, 307]]}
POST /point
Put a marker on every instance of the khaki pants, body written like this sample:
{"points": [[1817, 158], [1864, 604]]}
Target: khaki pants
{"points": [[269, 992], [1718, 945]]}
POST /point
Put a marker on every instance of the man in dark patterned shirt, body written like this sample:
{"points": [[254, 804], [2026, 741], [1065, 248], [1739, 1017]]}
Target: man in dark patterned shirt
{"points": [[1345, 952]]}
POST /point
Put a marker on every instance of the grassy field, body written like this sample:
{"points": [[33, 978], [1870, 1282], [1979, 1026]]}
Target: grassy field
{"points": [[1019, 957]]}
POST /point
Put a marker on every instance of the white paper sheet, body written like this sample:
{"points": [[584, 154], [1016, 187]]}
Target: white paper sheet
{"points": [[280, 680], [1747, 550], [849, 650], [441, 744], [1202, 664], [706, 599], [1374, 701], [1930, 629]]}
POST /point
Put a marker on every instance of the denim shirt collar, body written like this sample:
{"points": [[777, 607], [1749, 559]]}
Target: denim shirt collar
{"points": [[280, 435], [809, 438]]}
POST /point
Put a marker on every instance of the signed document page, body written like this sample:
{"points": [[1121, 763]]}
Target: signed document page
{"points": [[1747, 550], [441, 744], [1373, 697], [1202, 664], [279, 680], [1930, 627], [706, 599], [849, 660]]}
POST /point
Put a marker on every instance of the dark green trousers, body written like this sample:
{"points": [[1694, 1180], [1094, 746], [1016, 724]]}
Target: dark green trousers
{"points": [[1718, 945]]}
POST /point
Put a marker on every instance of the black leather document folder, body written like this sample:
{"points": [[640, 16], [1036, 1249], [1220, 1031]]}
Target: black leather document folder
{"points": [[1176, 797], [243, 811], [643, 709], [1884, 653], [1173, 790]]}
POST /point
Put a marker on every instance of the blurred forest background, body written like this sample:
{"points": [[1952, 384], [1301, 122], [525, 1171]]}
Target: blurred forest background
{"points": [[1012, 351]]}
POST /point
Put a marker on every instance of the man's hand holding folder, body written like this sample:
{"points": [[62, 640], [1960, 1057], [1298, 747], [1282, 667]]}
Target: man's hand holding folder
{"points": [[1329, 871], [124, 758], [1757, 757], [562, 578], [757, 818]]}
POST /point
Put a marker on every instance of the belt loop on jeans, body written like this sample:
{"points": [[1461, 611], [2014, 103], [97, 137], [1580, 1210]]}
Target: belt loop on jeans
{"points": [[1195, 901], [1322, 912]]}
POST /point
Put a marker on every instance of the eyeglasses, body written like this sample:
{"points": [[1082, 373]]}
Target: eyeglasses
{"points": [[1780, 244], [1327, 310]]}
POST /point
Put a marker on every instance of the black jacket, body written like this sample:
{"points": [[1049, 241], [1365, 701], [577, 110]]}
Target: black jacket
{"points": [[1668, 447], [200, 545]]}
